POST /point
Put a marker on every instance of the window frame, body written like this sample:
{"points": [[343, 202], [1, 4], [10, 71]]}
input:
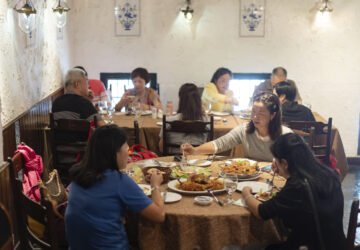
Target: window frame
{"points": [[104, 77]]}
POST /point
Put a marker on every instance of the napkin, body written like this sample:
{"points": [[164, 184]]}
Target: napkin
{"points": [[240, 202]]}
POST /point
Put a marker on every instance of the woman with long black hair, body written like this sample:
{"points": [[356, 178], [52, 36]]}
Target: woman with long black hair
{"points": [[310, 204], [100, 194], [190, 109]]}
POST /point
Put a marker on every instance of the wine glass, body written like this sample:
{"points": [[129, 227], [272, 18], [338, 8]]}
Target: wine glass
{"points": [[207, 108], [102, 106], [230, 184]]}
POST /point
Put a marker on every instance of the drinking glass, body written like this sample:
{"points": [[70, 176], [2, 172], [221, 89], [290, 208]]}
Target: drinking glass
{"points": [[137, 108], [102, 106], [230, 184], [110, 112], [207, 108]]}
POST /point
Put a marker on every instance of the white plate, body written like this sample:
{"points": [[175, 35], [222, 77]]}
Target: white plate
{"points": [[217, 118], [152, 163], [171, 185], [218, 113], [146, 112], [199, 162], [255, 186], [102, 112], [171, 197], [196, 170], [159, 123], [145, 188]]}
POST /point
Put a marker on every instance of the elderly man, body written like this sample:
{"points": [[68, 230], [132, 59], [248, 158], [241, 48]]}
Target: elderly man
{"points": [[279, 74], [74, 104]]}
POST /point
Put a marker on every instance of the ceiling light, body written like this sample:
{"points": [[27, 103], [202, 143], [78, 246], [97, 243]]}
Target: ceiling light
{"points": [[26, 17], [188, 12], [61, 10]]}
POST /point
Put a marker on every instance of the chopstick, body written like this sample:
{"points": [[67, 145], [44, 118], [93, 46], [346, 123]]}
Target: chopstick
{"points": [[216, 199]]}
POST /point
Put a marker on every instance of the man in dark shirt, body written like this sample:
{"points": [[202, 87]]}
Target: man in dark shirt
{"points": [[291, 110], [279, 74], [74, 104]]}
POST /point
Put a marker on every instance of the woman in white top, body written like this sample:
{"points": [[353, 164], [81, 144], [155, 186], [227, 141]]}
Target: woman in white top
{"points": [[256, 136]]}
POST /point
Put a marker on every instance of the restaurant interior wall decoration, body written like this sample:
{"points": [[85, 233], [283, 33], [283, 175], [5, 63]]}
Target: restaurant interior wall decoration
{"points": [[319, 51], [29, 73]]}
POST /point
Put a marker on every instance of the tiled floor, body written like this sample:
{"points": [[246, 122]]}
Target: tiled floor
{"points": [[351, 190]]}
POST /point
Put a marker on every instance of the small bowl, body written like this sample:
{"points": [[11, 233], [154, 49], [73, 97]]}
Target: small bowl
{"points": [[203, 200]]}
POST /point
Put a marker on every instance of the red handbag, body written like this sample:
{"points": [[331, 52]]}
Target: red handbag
{"points": [[138, 152]]}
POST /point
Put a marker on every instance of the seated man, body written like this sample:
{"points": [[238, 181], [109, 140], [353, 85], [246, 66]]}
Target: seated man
{"points": [[97, 88], [291, 110], [279, 74], [74, 104]]}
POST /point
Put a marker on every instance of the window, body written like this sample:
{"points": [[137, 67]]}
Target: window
{"points": [[118, 83], [243, 86]]}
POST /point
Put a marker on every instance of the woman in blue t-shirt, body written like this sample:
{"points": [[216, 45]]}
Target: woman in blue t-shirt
{"points": [[100, 194]]}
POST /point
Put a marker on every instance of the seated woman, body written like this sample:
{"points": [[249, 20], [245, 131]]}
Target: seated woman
{"points": [[145, 96], [256, 136], [295, 162], [216, 92], [291, 110], [189, 109], [100, 194]]}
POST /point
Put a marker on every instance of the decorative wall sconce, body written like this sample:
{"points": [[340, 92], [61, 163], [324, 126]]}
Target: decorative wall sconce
{"points": [[325, 6], [60, 11], [188, 12], [26, 17]]}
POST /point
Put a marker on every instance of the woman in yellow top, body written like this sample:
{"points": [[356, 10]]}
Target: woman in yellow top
{"points": [[216, 92]]}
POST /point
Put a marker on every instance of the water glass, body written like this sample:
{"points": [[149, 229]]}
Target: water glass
{"points": [[102, 106], [137, 108], [230, 184], [154, 112], [207, 108]]}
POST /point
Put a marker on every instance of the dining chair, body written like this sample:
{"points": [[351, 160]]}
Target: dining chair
{"points": [[6, 229], [317, 135], [353, 225], [187, 127], [133, 134], [36, 222], [66, 153]]}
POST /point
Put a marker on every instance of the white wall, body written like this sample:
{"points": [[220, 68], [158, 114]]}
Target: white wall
{"points": [[323, 59], [27, 75]]}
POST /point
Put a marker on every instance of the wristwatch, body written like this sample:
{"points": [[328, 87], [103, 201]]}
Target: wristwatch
{"points": [[154, 188]]}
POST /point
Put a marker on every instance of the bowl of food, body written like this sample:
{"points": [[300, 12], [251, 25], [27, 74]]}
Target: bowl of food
{"points": [[243, 168], [165, 171]]}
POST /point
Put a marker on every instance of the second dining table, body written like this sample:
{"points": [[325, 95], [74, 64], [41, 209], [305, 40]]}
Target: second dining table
{"points": [[149, 130]]}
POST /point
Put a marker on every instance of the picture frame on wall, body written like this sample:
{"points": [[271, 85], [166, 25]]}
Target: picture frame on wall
{"points": [[127, 17], [252, 18]]}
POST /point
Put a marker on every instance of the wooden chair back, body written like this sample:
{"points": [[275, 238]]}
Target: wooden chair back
{"points": [[353, 225], [133, 134], [67, 150], [318, 135], [26, 209], [6, 229], [188, 127]]}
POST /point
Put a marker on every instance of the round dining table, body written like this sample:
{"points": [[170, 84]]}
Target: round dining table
{"points": [[191, 226]]}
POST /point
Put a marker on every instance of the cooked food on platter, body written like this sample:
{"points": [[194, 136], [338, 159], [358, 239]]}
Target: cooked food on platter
{"points": [[145, 188], [241, 167], [199, 182]]}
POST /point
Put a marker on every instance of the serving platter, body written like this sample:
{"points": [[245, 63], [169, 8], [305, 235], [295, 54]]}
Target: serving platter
{"points": [[172, 186]]}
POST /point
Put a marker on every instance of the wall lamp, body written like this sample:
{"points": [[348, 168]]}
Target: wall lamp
{"points": [[60, 11], [188, 12], [26, 16], [325, 6]]}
